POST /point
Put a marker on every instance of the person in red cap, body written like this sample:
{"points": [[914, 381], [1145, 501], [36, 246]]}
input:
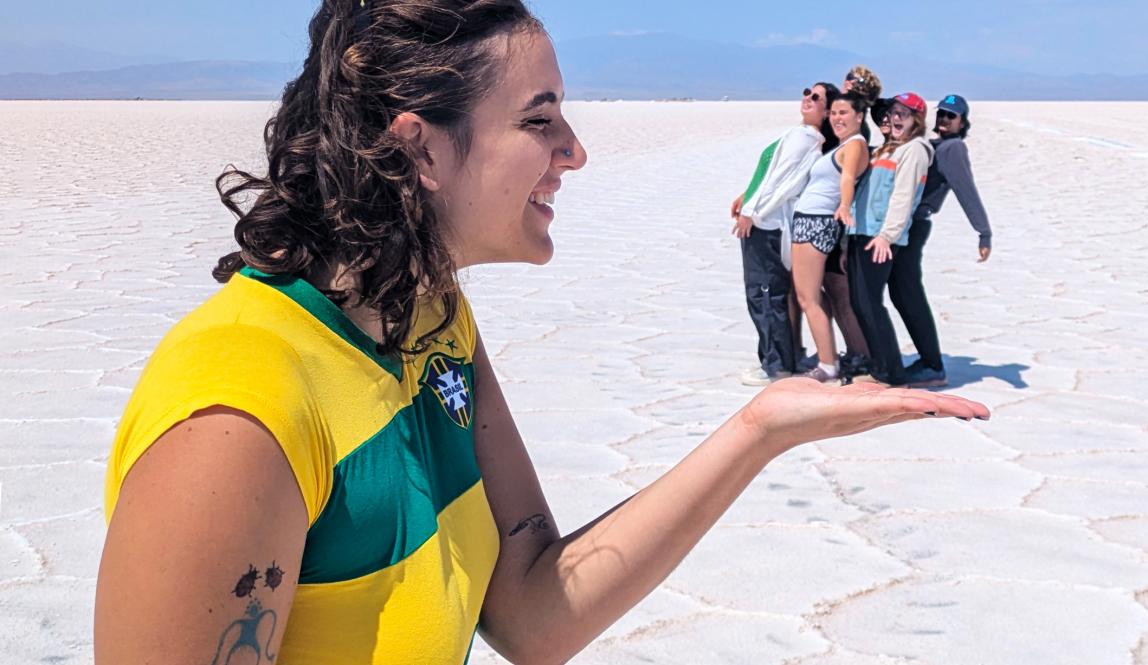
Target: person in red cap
{"points": [[950, 170], [884, 213]]}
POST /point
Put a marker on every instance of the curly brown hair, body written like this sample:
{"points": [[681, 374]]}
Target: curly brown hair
{"points": [[341, 189], [866, 83]]}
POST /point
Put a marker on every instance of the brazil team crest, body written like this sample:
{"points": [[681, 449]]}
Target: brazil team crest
{"points": [[445, 377]]}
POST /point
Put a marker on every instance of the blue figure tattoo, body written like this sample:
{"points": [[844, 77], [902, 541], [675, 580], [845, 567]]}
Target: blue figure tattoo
{"points": [[243, 633], [247, 636]]}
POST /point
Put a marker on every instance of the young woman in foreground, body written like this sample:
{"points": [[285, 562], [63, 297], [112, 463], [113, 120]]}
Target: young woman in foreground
{"points": [[318, 466]]}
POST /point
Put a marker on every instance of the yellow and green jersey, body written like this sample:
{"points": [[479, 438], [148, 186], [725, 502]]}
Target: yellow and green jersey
{"points": [[401, 541]]}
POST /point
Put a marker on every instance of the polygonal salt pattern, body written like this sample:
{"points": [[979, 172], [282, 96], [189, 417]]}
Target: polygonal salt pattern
{"points": [[1014, 544], [990, 622], [908, 545]]}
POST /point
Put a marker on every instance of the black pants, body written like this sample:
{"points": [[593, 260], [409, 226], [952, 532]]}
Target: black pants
{"points": [[907, 291], [767, 296], [867, 282]]}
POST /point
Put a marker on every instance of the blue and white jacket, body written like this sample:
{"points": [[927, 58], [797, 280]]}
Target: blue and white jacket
{"points": [[891, 192]]}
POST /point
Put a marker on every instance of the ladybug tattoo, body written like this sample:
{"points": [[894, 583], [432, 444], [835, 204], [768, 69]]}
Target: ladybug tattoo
{"points": [[246, 584], [273, 576]]}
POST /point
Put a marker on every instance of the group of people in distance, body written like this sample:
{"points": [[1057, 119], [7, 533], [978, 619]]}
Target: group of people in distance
{"points": [[829, 221]]}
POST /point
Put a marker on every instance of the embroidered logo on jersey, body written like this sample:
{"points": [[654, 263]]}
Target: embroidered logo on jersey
{"points": [[445, 377]]}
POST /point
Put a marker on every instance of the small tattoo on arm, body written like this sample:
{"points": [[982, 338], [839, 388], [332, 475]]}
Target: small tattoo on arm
{"points": [[536, 522], [246, 584], [273, 576], [244, 632]]}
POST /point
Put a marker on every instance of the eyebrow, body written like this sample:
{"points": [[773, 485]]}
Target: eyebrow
{"points": [[540, 99]]}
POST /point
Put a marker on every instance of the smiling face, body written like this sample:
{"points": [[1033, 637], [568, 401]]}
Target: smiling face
{"points": [[495, 202], [813, 110], [844, 120], [885, 126], [948, 123], [901, 121]]}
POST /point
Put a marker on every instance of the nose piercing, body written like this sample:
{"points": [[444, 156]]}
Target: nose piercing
{"points": [[567, 152]]}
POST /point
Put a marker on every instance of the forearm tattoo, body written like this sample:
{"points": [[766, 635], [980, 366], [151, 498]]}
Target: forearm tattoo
{"points": [[536, 522], [244, 632]]}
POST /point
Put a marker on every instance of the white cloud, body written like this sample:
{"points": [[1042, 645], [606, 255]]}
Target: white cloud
{"points": [[818, 36]]}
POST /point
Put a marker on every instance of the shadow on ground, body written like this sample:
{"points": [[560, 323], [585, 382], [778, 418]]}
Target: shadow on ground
{"points": [[965, 370]]}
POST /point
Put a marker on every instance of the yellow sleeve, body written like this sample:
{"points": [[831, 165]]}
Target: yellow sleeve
{"points": [[466, 326], [245, 368]]}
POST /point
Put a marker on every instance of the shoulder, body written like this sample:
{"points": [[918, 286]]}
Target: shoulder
{"points": [[245, 368], [806, 135], [954, 147]]}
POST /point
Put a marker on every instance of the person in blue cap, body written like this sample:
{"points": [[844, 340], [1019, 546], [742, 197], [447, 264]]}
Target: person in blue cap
{"points": [[950, 170]]}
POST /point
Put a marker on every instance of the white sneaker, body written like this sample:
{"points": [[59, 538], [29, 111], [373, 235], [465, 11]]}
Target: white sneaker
{"points": [[756, 376]]}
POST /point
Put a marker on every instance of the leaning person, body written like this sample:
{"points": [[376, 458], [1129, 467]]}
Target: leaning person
{"points": [[762, 217], [318, 466], [883, 215], [821, 210], [951, 170]]}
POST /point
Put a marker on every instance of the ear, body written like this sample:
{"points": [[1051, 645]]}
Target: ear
{"points": [[426, 142]]}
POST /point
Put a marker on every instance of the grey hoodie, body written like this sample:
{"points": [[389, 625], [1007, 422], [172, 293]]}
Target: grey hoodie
{"points": [[951, 170]]}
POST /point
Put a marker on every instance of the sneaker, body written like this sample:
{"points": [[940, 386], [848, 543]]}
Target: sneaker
{"points": [[807, 363], [819, 374], [853, 365], [920, 376], [756, 376]]}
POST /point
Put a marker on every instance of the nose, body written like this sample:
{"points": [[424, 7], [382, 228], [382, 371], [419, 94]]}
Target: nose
{"points": [[570, 154]]}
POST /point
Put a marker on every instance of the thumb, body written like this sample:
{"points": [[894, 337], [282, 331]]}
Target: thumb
{"points": [[870, 245]]}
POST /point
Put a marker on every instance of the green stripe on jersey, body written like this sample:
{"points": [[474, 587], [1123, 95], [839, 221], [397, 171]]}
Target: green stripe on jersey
{"points": [[387, 493]]}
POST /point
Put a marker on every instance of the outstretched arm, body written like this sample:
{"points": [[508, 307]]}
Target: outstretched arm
{"points": [[954, 165], [203, 550], [552, 595]]}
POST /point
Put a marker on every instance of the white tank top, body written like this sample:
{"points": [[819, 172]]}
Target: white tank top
{"points": [[822, 194]]}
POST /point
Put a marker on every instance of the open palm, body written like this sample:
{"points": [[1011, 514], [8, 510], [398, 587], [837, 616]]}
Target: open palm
{"points": [[796, 411]]}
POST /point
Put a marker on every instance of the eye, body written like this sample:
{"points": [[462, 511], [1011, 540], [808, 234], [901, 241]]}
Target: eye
{"points": [[538, 123]]}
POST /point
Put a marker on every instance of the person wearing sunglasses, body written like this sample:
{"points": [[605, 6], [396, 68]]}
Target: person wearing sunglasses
{"points": [[882, 218], [950, 170], [762, 221]]}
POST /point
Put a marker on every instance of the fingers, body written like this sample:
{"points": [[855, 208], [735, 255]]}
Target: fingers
{"points": [[938, 404]]}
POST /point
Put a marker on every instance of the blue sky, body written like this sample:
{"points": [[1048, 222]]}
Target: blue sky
{"points": [[1041, 36]]}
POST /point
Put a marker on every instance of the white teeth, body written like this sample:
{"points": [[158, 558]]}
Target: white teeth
{"points": [[543, 198]]}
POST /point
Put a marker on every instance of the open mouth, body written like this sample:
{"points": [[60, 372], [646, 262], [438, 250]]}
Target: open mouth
{"points": [[541, 202], [542, 198]]}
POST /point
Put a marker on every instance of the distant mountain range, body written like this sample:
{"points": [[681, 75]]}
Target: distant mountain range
{"points": [[649, 66], [178, 80]]}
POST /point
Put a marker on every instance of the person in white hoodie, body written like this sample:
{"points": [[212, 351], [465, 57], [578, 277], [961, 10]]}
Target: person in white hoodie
{"points": [[883, 214], [762, 222]]}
